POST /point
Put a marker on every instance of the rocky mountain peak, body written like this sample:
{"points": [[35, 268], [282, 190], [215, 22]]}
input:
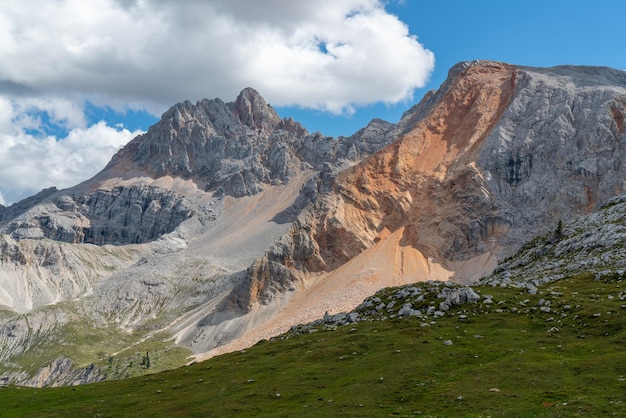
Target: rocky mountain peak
{"points": [[237, 148], [218, 145], [252, 110]]}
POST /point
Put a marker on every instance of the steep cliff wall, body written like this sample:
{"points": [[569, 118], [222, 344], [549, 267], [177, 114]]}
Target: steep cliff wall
{"points": [[558, 150]]}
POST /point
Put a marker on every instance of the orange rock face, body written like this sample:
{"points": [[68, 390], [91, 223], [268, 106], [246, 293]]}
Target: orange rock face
{"points": [[424, 182], [418, 209]]}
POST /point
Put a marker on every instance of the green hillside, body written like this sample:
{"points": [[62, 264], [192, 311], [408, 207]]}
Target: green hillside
{"points": [[559, 352]]}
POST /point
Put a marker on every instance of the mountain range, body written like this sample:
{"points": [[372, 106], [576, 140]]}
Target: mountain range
{"points": [[224, 224]]}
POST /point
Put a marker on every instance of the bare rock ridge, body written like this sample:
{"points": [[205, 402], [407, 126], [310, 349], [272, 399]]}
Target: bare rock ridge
{"points": [[122, 215], [224, 224], [236, 148]]}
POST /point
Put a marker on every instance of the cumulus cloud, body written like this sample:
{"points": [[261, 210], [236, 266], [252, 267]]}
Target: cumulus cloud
{"points": [[324, 54], [149, 54], [31, 162]]}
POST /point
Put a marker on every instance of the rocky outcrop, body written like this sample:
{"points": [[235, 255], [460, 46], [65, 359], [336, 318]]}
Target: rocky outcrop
{"points": [[427, 302], [61, 372], [591, 244], [16, 209], [122, 215], [126, 215], [21, 334]]}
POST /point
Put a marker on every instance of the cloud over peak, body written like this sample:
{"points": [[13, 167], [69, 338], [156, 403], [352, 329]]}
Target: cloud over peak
{"points": [[326, 54]]}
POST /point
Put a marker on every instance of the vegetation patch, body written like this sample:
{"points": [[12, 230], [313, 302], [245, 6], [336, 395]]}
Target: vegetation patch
{"points": [[114, 353]]}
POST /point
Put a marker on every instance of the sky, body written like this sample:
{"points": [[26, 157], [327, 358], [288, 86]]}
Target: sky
{"points": [[79, 79]]}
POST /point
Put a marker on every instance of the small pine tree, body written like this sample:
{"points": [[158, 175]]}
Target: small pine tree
{"points": [[147, 360], [558, 232]]}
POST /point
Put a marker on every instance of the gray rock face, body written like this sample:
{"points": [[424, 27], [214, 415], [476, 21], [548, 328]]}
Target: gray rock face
{"points": [[236, 148], [123, 215], [62, 372], [558, 150], [131, 214], [252, 111]]}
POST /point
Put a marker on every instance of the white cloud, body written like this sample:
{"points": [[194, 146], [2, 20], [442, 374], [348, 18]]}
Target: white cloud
{"points": [[29, 163], [155, 52], [149, 54]]}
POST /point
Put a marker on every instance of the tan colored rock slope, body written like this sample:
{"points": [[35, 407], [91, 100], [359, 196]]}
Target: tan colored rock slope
{"points": [[422, 181]]}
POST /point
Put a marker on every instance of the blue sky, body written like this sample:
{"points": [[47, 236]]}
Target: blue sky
{"points": [[80, 79]]}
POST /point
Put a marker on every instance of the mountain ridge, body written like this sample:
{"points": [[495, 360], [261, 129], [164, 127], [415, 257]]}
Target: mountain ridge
{"points": [[225, 224]]}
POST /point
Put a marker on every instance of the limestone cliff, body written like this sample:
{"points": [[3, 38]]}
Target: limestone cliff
{"points": [[121, 215]]}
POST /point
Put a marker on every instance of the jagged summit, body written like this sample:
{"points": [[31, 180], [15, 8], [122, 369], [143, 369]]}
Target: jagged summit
{"points": [[210, 141], [225, 224], [233, 148], [254, 112]]}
